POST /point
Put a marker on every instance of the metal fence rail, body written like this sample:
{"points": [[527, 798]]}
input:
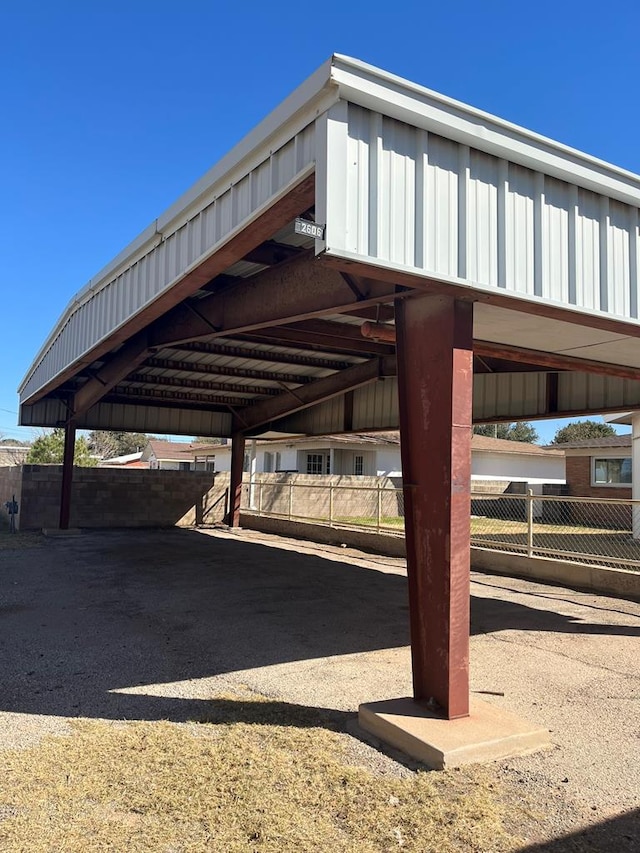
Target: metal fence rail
{"points": [[598, 532], [380, 509]]}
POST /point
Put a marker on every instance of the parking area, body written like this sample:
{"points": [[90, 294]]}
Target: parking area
{"points": [[153, 625]]}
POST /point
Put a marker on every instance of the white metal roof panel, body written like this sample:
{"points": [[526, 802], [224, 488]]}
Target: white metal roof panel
{"points": [[403, 198], [407, 179]]}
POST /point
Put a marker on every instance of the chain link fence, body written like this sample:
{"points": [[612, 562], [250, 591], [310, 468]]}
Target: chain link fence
{"points": [[380, 508], [599, 532], [604, 532]]}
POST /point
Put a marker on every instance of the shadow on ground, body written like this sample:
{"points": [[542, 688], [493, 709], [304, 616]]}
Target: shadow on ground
{"points": [[82, 619], [621, 834]]}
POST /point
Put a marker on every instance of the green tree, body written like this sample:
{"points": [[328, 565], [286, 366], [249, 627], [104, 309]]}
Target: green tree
{"points": [[106, 444], [203, 439], [519, 431], [581, 430], [49, 449]]}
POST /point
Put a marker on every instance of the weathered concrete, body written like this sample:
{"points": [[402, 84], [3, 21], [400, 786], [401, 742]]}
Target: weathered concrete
{"points": [[158, 625], [576, 575], [487, 734], [379, 543]]}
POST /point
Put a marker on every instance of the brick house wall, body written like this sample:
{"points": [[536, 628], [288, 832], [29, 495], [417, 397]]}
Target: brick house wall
{"points": [[579, 481], [615, 517]]}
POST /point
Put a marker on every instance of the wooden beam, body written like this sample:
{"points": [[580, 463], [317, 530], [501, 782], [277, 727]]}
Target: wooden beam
{"points": [[316, 392]]}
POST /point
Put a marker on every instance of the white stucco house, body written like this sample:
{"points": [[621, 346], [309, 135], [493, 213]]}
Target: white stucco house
{"points": [[378, 454], [493, 460]]}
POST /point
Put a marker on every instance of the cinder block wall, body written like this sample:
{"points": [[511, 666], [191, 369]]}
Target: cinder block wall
{"points": [[108, 497], [309, 497], [10, 484]]}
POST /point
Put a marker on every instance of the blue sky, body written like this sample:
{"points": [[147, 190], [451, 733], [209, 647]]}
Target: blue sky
{"points": [[111, 110]]}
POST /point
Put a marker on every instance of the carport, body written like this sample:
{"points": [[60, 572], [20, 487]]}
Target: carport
{"points": [[505, 263]]}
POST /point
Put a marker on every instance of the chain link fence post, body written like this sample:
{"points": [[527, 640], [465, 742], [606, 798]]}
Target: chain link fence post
{"points": [[529, 506], [379, 514], [330, 504]]}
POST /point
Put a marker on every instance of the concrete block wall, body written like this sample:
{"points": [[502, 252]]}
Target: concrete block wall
{"points": [[309, 495], [10, 484], [108, 497]]}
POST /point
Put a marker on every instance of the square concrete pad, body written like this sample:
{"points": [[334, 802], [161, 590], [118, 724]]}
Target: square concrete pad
{"points": [[487, 734]]}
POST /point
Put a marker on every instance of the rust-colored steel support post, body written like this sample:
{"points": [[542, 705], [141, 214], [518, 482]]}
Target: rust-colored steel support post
{"points": [[67, 474], [435, 385], [235, 484]]}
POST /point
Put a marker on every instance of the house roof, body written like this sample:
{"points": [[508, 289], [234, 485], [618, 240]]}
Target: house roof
{"points": [[502, 445], [600, 442], [392, 439], [179, 451]]}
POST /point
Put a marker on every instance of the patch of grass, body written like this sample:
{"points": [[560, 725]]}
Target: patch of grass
{"points": [[18, 541], [231, 786], [394, 521]]}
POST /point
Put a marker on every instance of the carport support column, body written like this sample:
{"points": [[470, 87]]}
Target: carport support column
{"points": [[235, 484], [435, 386], [67, 474]]}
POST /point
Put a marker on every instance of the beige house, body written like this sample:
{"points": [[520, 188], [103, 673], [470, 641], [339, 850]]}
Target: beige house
{"points": [[10, 455]]}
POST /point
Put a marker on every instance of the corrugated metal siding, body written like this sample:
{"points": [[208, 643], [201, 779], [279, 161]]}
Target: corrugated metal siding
{"points": [[495, 396], [581, 390], [114, 301], [133, 418], [515, 395], [419, 201]]}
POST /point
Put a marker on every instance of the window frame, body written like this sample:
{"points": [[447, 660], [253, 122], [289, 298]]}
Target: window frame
{"points": [[606, 459]]}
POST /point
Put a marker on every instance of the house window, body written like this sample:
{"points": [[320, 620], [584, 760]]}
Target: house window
{"points": [[611, 472], [318, 463], [204, 463], [358, 465], [268, 462], [184, 466]]}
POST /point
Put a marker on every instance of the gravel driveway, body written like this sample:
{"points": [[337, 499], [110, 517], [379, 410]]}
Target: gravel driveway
{"points": [[149, 625]]}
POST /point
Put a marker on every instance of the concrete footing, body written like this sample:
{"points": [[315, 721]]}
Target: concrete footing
{"points": [[57, 532], [487, 734]]}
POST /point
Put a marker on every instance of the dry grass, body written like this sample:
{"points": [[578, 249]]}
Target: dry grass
{"points": [[18, 541], [233, 786]]}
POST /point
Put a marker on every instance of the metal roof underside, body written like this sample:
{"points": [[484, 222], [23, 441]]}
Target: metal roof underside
{"points": [[220, 317]]}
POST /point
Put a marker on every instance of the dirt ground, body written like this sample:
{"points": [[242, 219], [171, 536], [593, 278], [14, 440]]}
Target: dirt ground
{"points": [[153, 625]]}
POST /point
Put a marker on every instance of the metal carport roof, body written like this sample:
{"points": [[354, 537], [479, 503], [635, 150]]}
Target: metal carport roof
{"points": [[221, 314]]}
